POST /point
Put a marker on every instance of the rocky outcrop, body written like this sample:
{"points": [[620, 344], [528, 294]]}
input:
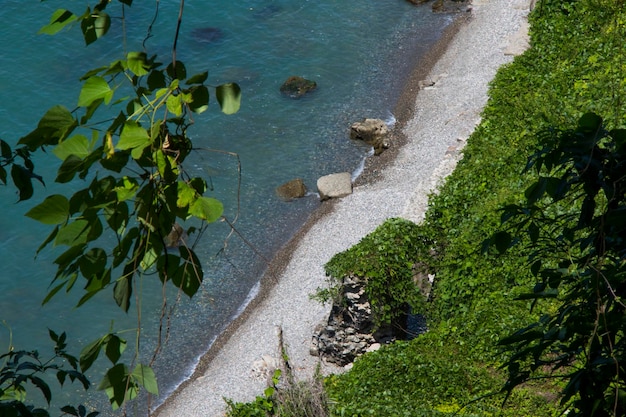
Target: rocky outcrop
{"points": [[291, 189], [372, 131], [349, 331], [334, 185], [296, 87]]}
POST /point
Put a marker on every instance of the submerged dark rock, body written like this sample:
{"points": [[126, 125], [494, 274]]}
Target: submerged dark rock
{"points": [[445, 6], [267, 11], [296, 87], [208, 34]]}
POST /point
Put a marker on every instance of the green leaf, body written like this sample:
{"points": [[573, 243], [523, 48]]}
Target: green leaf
{"points": [[123, 290], [22, 180], [186, 194], [93, 263], [72, 234], [156, 79], [5, 150], [549, 293], [55, 209], [77, 145], [68, 169], [207, 208], [589, 122], [52, 293], [59, 20], [198, 78], [90, 353], [149, 258], [536, 190], [115, 346], [198, 184], [115, 384], [133, 137], [178, 72], [3, 175], [521, 336], [138, 63], [502, 241], [43, 387], [188, 276], [95, 88], [175, 104], [126, 189], [144, 375], [200, 99], [229, 97], [164, 165], [95, 25], [167, 265], [120, 252], [54, 126]]}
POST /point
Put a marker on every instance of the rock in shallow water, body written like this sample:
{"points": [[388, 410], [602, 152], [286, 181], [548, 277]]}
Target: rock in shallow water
{"points": [[373, 132], [292, 189], [296, 87], [207, 34]]}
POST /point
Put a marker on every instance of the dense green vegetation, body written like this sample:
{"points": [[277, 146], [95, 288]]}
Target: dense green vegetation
{"points": [[387, 259], [576, 65]]}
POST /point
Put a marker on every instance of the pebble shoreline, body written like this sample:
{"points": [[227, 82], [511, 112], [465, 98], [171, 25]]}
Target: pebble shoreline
{"points": [[434, 120]]}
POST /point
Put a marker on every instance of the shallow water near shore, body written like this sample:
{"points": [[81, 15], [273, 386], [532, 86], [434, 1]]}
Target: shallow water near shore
{"points": [[358, 54]]}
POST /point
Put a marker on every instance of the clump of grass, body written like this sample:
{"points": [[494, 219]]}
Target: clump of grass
{"points": [[286, 396]]}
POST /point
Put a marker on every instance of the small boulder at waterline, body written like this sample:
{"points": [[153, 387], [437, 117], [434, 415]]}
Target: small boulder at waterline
{"points": [[334, 185], [291, 189], [373, 132], [296, 87]]}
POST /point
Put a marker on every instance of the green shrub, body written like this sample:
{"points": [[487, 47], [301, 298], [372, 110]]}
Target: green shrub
{"points": [[424, 378], [289, 398], [386, 259]]}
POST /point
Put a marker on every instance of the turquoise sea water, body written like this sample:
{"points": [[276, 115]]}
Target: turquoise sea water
{"points": [[357, 52]]}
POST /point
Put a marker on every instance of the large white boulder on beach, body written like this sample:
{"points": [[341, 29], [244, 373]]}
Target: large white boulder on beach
{"points": [[334, 185]]}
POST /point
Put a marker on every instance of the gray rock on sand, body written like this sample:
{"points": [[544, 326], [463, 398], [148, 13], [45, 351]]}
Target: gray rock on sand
{"points": [[334, 185]]}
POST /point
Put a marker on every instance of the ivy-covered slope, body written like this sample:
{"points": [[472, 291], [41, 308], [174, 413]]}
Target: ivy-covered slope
{"points": [[576, 64]]}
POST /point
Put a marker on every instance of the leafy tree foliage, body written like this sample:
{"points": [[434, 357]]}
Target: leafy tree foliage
{"points": [[126, 138], [23, 368], [574, 219]]}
